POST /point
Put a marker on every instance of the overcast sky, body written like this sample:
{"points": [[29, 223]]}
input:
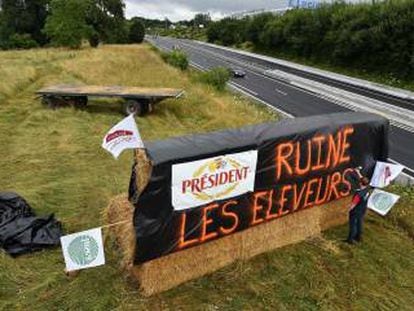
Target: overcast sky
{"points": [[186, 9]]}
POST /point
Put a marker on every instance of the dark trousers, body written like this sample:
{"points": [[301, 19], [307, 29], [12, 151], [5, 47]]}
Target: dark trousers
{"points": [[356, 219]]}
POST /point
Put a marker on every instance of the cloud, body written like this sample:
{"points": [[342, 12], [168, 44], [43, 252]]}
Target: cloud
{"points": [[186, 9]]}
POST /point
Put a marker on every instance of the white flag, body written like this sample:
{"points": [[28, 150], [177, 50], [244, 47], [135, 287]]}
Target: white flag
{"points": [[123, 136], [384, 174], [83, 249], [381, 201]]}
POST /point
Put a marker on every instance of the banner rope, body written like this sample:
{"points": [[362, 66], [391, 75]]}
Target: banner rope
{"points": [[115, 224]]}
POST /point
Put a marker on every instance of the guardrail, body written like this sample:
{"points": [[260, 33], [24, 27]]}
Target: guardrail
{"points": [[377, 87]]}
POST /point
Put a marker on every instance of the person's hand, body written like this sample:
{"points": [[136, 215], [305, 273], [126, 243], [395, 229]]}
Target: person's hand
{"points": [[358, 171]]}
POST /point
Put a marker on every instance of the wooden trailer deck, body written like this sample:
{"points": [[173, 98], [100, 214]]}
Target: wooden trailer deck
{"points": [[138, 100]]}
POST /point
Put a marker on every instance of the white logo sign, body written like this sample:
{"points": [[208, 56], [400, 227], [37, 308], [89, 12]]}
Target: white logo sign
{"points": [[83, 249], [204, 181], [123, 136], [381, 201], [384, 174]]}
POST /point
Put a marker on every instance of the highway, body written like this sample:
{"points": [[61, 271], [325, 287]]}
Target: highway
{"points": [[288, 99]]}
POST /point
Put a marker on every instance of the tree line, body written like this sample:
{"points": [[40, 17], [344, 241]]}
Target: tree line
{"points": [[374, 37], [194, 28], [33, 23]]}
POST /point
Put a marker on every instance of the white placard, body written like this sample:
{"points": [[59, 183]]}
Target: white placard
{"points": [[384, 174], [204, 181], [83, 249], [124, 135], [382, 201]]}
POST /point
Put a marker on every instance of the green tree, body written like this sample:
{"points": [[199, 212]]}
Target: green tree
{"points": [[107, 19], [136, 31], [201, 19], [256, 25], [66, 25], [228, 31], [23, 17], [213, 32]]}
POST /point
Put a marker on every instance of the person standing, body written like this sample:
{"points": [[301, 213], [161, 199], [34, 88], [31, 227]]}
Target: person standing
{"points": [[357, 211]]}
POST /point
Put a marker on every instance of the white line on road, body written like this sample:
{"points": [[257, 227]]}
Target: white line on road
{"points": [[244, 88], [281, 92], [196, 66], [283, 113]]}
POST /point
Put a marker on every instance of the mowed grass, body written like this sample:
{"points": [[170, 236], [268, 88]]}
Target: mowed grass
{"points": [[54, 159]]}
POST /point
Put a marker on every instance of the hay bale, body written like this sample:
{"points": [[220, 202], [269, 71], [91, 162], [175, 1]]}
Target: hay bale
{"points": [[119, 210], [167, 272], [143, 169]]}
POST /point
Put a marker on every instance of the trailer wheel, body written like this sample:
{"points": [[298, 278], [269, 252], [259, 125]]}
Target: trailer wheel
{"points": [[145, 108], [133, 107], [81, 102], [45, 101], [50, 102]]}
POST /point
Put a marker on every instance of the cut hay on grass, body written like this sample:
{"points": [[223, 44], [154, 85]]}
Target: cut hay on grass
{"points": [[174, 269]]}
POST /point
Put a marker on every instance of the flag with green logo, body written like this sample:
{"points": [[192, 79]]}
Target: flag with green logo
{"points": [[382, 201], [83, 249]]}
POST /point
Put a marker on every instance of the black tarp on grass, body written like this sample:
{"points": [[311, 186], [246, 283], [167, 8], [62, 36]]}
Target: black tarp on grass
{"points": [[21, 231]]}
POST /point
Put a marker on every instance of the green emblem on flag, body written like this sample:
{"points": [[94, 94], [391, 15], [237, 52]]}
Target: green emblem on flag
{"points": [[382, 201], [83, 250]]}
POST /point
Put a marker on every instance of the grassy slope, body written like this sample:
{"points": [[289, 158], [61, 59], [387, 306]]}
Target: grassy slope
{"points": [[54, 159]]}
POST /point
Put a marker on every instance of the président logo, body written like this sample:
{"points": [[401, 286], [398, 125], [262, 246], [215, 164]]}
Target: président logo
{"points": [[118, 133], [200, 182]]}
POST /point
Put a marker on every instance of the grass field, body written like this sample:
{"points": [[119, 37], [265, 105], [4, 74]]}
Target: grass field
{"points": [[53, 158]]}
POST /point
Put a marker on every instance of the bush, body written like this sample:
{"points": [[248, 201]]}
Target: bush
{"points": [[216, 77], [21, 41], [94, 40], [136, 32], [117, 32], [177, 59]]}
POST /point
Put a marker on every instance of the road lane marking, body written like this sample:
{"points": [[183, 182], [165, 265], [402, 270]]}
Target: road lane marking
{"points": [[283, 113], [245, 89], [281, 92]]}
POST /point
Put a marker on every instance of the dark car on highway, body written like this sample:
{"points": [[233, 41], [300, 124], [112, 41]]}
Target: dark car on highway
{"points": [[237, 72]]}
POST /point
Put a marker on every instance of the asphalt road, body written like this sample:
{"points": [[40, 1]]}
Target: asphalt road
{"points": [[287, 98]]}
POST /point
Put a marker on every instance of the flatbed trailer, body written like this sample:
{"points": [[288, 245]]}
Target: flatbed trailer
{"points": [[138, 100]]}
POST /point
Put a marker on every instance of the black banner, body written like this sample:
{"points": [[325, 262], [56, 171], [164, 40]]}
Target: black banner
{"points": [[301, 163]]}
